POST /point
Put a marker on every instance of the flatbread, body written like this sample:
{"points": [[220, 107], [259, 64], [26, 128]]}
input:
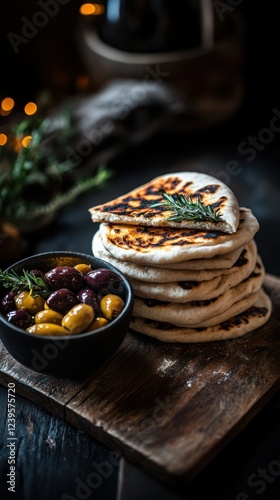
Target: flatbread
{"points": [[252, 318], [186, 291], [153, 274], [135, 207], [224, 261], [219, 263], [194, 312], [150, 245], [234, 309]]}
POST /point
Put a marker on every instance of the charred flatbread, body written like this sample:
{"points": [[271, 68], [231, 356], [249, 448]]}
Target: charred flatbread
{"points": [[151, 274], [194, 312], [154, 245], [135, 207], [252, 318], [185, 291], [218, 263]]}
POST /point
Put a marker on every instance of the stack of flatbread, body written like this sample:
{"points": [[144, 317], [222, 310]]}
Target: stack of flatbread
{"points": [[194, 280]]}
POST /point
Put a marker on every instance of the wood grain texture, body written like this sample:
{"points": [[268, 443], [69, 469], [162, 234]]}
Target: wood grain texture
{"points": [[169, 408], [52, 458]]}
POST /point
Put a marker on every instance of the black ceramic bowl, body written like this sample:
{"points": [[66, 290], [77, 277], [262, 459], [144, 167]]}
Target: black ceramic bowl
{"points": [[70, 355]]}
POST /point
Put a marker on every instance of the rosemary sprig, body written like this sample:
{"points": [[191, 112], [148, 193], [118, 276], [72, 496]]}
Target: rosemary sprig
{"points": [[60, 200], [187, 207], [27, 282]]}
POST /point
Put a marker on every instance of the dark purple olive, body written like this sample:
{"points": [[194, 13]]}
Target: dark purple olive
{"points": [[103, 281], [8, 303], [88, 296], [62, 300], [65, 277], [21, 318]]}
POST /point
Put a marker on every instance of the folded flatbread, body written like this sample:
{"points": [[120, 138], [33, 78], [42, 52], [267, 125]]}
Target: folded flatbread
{"points": [[135, 207], [250, 319], [158, 245]]}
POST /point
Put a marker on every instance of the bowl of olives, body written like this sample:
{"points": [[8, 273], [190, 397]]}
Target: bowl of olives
{"points": [[63, 313]]}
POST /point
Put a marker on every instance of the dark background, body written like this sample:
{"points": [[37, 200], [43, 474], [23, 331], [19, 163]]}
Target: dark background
{"points": [[51, 61]]}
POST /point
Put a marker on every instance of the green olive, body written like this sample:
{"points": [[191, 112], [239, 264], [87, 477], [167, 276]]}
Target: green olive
{"points": [[98, 323], [48, 316], [48, 329], [26, 301], [78, 319], [111, 306], [83, 268]]}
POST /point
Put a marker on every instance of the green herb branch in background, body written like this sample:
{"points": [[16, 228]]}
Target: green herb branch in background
{"points": [[187, 208], [36, 178]]}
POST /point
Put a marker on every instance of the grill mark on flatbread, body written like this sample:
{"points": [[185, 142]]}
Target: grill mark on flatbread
{"points": [[203, 303], [188, 285], [220, 203], [243, 317], [255, 275], [242, 260], [210, 189], [154, 302], [136, 207], [194, 270], [249, 320], [194, 303], [150, 245]]}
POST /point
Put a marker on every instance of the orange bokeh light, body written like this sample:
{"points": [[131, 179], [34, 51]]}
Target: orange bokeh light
{"points": [[3, 139], [7, 104], [30, 108], [91, 9], [26, 140]]}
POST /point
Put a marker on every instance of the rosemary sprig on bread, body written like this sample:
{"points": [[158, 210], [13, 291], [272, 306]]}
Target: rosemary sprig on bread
{"points": [[187, 207]]}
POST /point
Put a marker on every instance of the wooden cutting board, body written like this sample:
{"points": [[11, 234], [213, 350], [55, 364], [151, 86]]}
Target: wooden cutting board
{"points": [[170, 408]]}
